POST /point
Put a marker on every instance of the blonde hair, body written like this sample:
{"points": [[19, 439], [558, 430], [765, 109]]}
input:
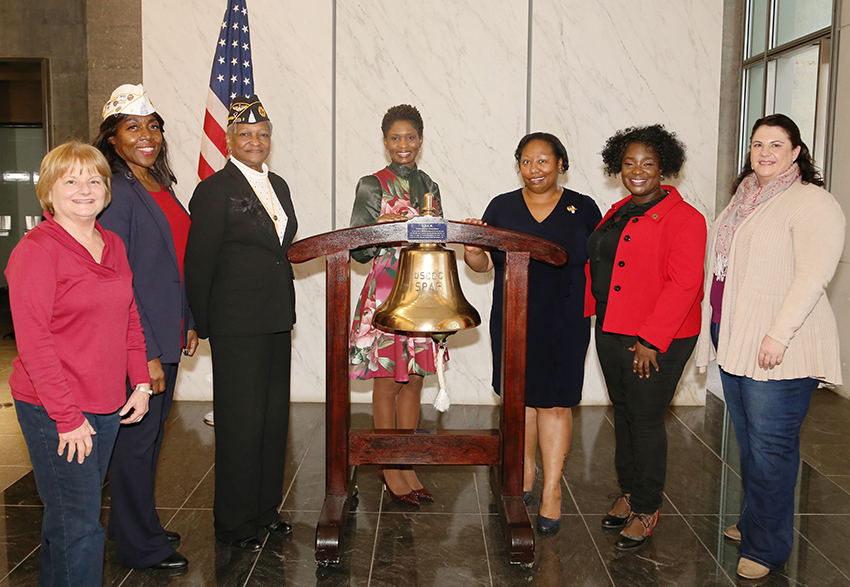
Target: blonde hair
{"points": [[64, 158]]}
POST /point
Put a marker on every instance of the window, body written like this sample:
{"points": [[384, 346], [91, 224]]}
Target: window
{"points": [[787, 52]]}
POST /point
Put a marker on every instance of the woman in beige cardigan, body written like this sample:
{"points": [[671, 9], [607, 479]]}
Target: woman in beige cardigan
{"points": [[774, 250]]}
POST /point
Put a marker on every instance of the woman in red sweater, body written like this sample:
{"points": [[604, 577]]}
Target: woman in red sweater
{"points": [[645, 287], [79, 338]]}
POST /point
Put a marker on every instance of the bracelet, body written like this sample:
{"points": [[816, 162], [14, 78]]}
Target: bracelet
{"points": [[147, 390]]}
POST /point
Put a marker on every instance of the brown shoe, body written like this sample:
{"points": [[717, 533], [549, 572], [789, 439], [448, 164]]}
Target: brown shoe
{"points": [[638, 528], [620, 512], [732, 533], [751, 569]]}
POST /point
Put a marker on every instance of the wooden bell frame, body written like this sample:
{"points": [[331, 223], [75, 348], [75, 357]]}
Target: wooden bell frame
{"points": [[501, 449]]}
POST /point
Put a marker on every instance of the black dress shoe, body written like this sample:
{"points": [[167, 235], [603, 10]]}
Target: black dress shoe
{"points": [[173, 537], [281, 526], [251, 544], [610, 522], [174, 561], [637, 531], [527, 497], [626, 543]]}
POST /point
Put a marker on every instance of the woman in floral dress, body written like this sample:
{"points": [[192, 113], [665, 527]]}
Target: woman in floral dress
{"points": [[396, 363]]}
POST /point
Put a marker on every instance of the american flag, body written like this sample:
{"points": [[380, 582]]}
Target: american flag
{"points": [[232, 75]]}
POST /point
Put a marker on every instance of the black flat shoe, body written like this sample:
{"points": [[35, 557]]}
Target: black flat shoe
{"points": [[610, 522], [251, 544], [547, 526], [174, 561], [625, 543], [173, 537], [644, 524], [281, 526]]}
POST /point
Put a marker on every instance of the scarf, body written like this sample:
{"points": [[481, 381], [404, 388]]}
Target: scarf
{"points": [[747, 198]]}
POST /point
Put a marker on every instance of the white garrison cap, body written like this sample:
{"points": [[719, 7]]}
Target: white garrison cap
{"points": [[128, 99]]}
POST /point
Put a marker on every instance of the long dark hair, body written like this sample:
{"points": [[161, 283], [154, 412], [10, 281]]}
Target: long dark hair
{"points": [[808, 172], [161, 167]]}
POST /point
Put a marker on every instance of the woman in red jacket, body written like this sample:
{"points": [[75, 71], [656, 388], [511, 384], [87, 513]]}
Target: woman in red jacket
{"points": [[645, 287]]}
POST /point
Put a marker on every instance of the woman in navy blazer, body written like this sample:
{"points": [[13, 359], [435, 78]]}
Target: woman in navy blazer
{"points": [[154, 227]]}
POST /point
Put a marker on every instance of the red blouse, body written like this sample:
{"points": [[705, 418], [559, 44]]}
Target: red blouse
{"points": [[178, 220]]}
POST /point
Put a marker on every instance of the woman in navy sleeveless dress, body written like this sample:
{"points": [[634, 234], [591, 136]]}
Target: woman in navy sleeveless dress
{"points": [[558, 332]]}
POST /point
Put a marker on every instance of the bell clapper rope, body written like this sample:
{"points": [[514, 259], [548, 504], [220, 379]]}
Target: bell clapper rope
{"points": [[442, 401], [426, 296]]}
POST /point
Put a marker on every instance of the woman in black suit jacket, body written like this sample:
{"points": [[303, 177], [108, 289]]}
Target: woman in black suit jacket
{"points": [[241, 292], [153, 226]]}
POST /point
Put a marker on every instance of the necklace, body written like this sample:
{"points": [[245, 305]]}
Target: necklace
{"points": [[263, 202]]}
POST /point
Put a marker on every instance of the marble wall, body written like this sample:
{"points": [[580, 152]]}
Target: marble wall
{"points": [[482, 74]]}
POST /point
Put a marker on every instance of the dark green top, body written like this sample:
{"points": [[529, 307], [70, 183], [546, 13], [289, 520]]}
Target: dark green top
{"points": [[369, 195]]}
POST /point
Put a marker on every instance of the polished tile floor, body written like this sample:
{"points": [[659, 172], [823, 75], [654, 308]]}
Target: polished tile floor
{"points": [[457, 541]]}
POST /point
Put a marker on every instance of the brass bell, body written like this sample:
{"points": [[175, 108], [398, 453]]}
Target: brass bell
{"points": [[426, 296]]}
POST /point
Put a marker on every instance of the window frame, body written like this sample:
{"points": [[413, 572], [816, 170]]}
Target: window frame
{"points": [[824, 119]]}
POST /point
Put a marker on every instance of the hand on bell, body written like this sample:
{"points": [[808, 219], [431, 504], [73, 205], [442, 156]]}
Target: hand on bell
{"points": [[478, 222], [391, 217]]}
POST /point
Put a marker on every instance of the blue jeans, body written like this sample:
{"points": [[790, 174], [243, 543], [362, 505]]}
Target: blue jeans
{"points": [[767, 416], [72, 538]]}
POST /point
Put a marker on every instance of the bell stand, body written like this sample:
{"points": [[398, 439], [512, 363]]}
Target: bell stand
{"points": [[501, 449]]}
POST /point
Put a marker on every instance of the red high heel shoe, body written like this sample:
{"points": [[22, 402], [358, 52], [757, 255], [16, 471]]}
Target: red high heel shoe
{"points": [[424, 495], [408, 498]]}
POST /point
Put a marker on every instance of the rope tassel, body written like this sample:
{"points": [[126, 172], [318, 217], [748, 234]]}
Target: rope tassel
{"points": [[442, 401]]}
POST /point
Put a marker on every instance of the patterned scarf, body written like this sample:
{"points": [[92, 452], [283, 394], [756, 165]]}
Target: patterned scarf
{"points": [[747, 198]]}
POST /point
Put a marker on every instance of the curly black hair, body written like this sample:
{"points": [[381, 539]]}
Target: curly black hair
{"points": [[808, 172], [109, 128], [404, 112], [670, 150], [557, 147]]}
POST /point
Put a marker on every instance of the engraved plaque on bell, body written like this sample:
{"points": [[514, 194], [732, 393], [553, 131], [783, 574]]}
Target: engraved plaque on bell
{"points": [[426, 296], [427, 229]]}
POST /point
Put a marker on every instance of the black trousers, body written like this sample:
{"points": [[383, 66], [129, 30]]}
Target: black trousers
{"points": [[251, 402], [134, 524], [639, 407]]}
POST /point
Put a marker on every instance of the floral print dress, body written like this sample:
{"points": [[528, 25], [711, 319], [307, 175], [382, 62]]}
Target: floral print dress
{"points": [[372, 352]]}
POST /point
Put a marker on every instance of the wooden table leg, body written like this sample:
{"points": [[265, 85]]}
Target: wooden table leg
{"points": [[507, 479], [339, 482], [515, 522], [330, 530]]}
